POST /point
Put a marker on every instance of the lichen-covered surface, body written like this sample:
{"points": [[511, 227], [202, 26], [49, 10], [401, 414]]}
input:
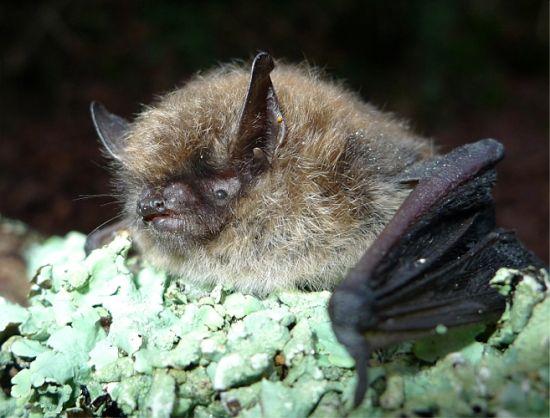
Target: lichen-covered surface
{"points": [[108, 336]]}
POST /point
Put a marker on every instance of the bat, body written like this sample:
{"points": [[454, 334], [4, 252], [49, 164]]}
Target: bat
{"points": [[276, 178], [265, 179]]}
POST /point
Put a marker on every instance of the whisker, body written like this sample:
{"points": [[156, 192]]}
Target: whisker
{"points": [[114, 202], [93, 196], [105, 223]]}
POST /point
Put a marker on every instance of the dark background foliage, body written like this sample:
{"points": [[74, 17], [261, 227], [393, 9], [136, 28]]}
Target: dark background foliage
{"points": [[458, 70]]}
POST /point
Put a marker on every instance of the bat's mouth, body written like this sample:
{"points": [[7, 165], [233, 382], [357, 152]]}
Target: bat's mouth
{"points": [[156, 216], [165, 222]]}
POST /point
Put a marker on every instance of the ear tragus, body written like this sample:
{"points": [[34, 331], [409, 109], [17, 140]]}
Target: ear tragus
{"points": [[261, 127], [110, 128]]}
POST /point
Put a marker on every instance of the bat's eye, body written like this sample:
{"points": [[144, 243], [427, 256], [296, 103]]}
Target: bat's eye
{"points": [[221, 190], [220, 194]]}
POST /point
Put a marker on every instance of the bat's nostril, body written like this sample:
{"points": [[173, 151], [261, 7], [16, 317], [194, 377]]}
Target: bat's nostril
{"points": [[148, 207]]}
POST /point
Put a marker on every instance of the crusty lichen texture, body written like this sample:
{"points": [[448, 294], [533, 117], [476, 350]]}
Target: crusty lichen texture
{"points": [[109, 336]]}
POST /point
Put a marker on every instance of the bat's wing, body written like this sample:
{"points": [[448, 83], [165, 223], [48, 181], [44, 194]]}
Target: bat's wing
{"points": [[432, 263], [103, 235]]}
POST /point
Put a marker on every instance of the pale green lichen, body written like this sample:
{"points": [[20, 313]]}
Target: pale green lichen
{"points": [[11, 314], [106, 335]]}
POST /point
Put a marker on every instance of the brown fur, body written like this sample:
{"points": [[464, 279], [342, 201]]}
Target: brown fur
{"points": [[304, 222]]}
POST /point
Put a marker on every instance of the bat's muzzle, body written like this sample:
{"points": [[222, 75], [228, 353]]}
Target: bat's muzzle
{"points": [[150, 206]]}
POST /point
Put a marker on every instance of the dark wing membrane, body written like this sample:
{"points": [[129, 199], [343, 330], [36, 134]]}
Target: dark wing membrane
{"points": [[103, 235], [441, 234], [466, 277], [432, 263]]}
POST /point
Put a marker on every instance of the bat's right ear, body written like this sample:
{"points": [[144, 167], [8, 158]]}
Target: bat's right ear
{"points": [[262, 124], [110, 128]]}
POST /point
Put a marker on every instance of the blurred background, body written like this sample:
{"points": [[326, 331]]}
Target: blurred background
{"points": [[458, 70]]}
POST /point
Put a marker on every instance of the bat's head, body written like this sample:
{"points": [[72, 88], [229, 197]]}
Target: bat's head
{"points": [[184, 162]]}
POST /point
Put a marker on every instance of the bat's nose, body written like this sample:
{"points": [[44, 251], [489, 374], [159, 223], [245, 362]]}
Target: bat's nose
{"points": [[150, 205], [175, 198]]}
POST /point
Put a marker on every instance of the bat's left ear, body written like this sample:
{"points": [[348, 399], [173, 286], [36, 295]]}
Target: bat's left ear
{"points": [[110, 128], [262, 126]]}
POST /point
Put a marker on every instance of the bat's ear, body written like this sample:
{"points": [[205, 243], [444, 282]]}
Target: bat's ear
{"points": [[262, 126], [110, 128]]}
